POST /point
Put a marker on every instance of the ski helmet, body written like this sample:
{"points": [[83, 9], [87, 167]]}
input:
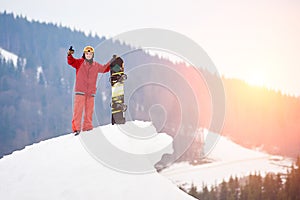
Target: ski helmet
{"points": [[88, 49]]}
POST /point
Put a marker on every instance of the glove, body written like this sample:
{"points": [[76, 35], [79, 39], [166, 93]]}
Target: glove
{"points": [[113, 58], [70, 51]]}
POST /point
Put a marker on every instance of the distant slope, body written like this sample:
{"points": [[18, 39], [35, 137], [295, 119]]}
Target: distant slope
{"points": [[8, 57], [225, 160], [260, 117]]}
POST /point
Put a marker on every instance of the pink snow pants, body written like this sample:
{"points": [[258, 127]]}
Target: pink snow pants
{"points": [[83, 104]]}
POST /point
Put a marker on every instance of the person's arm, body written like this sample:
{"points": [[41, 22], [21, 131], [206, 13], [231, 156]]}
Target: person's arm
{"points": [[104, 68], [73, 61]]}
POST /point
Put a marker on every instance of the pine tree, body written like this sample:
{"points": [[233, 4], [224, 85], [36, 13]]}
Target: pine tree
{"points": [[224, 191], [233, 186], [294, 181], [252, 189], [269, 187], [279, 186], [204, 195], [292, 185], [297, 178], [193, 191], [213, 194]]}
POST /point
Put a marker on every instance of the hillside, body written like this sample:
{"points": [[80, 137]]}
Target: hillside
{"points": [[61, 168], [262, 118], [226, 160]]}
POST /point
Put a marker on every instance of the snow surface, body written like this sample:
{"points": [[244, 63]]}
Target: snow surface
{"points": [[61, 168], [227, 159], [131, 144], [9, 57], [39, 74], [39, 71], [13, 58]]}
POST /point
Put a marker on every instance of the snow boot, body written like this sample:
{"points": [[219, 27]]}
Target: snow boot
{"points": [[76, 133]]}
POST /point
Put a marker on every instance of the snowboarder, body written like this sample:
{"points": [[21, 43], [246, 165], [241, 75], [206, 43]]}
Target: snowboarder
{"points": [[85, 88]]}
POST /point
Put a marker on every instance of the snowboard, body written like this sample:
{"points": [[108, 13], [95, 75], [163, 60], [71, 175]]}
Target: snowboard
{"points": [[117, 78]]}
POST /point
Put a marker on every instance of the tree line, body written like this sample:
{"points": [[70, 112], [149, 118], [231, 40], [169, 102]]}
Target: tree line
{"points": [[254, 187]]}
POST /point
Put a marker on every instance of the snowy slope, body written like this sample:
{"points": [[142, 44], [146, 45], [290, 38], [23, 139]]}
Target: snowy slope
{"points": [[61, 168], [9, 57], [228, 159]]}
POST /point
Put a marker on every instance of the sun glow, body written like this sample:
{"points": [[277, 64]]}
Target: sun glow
{"points": [[256, 79]]}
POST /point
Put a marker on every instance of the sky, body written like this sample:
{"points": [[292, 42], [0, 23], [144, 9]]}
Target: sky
{"points": [[257, 41]]}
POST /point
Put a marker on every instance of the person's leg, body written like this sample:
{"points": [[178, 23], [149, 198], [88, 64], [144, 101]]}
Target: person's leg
{"points": [[79, 101], [88, 113]]}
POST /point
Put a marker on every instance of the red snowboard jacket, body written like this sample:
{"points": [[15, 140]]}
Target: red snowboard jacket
{"points": [[86, 74]]}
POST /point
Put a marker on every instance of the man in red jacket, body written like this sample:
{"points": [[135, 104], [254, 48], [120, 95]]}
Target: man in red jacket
{"points": [[85, 88]]}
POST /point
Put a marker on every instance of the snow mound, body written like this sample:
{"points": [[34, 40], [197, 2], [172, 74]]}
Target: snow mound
{"points": [[61, 168], [132, 144]]}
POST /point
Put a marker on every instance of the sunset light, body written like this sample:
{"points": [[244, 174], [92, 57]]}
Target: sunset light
{"points": [[130, 100], [256, 79]]}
